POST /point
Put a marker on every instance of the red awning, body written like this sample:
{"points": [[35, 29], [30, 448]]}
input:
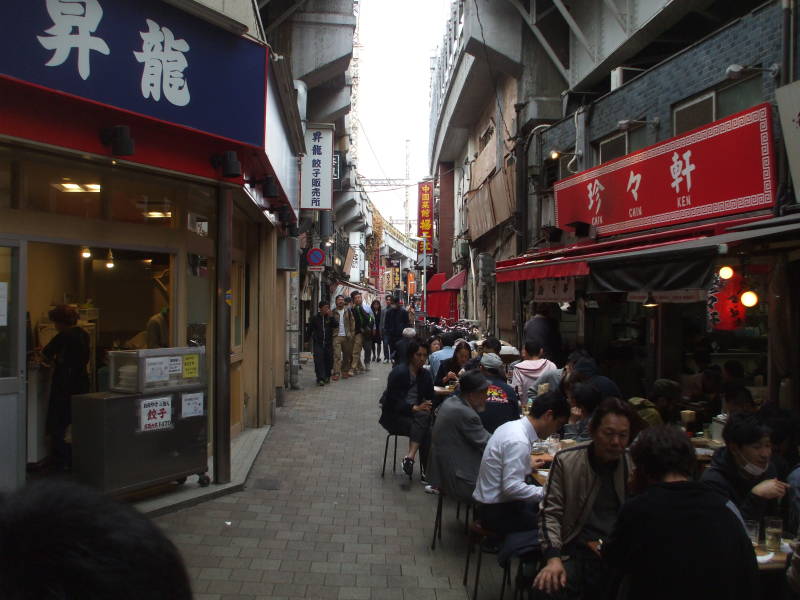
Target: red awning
{"points": [[456, 282], [544, 269]]}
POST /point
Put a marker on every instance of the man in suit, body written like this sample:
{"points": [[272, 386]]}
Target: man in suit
{"points": [[459, 438]]}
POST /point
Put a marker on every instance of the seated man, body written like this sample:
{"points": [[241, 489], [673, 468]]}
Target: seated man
{"points": [[584, 399], [507, 502], [662, 405], [449, 339], [459, 438], [742, 470], [586, 487], [491, 345], [532, 366], [502, 404], [677, 538], [62, 540], [401, 347], [407, 403]]}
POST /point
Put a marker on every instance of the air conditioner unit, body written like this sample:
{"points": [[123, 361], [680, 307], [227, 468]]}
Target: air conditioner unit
{"points": [[622, 75]]}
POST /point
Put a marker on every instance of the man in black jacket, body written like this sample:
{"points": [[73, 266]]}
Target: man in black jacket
{"points": [[677, 538], [742, 471], [321, 329]]}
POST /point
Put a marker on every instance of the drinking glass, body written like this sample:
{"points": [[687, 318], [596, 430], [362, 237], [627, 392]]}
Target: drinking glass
{"points": [[752, 531], [772, 534], [554, 443]]}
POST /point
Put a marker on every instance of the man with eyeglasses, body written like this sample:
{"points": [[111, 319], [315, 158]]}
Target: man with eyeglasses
{"points": [[586, 487]]}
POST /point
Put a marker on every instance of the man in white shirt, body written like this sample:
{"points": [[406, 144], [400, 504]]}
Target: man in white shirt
{"points": [[507, 502], [342, 339]]}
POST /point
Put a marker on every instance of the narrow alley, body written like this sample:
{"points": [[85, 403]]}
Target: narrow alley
{"points": [[317, 521]]}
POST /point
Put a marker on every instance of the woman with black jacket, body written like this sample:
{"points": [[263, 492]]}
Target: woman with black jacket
{"points": [[407, 404], [450, 368]]}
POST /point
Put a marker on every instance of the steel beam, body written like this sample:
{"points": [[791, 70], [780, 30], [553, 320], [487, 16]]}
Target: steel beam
{"points": [[621, 19], [541, 39], [576, 29]]}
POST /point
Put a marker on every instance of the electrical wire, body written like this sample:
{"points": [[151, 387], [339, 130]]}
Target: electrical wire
{"points": [[491, 71]]}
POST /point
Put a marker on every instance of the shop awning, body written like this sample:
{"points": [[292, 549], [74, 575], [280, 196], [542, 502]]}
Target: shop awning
{"points": [[669, 265], [456, 282], [543, 269]]}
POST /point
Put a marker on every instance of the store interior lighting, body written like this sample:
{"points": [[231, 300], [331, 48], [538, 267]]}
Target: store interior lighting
{"points": [[86, 252], [157, 214], [110, 260], [650, 301], [70, 187]]}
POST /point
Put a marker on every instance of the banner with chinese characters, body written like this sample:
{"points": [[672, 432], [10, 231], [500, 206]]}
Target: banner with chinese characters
{"points": [[560, 289], [425, 217], [316, 171], [143, 56], [724, 168]]}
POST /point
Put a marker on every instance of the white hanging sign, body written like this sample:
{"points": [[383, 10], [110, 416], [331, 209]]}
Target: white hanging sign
{"points": [[316, 173]]}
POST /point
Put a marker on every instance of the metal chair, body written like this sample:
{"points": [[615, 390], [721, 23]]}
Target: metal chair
{"points": [[386, 452], [437, 522], [478, 536]]}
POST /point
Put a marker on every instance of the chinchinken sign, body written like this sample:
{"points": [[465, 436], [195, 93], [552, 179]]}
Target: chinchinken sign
{"points": [[722, 169]]}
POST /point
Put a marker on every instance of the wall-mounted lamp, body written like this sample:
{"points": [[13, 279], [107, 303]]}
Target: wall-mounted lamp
{"points": [[269, 187], [110, 260], [120, 140], [552, 233], [556, 154], [228, 162], [86, 252], [736, 71], [650, 301], [581, 228], [626, 124]]}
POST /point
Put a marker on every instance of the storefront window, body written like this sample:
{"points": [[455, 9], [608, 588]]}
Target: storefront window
{"points": [[200, 304], [145, 199], [7, 293], [62, 187]]}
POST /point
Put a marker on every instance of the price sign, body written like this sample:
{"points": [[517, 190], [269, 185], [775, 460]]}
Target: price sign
{"points": [[155, 413]]}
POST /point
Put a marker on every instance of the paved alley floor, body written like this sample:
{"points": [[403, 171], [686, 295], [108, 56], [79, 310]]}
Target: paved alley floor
{"points": [[317, 521]]}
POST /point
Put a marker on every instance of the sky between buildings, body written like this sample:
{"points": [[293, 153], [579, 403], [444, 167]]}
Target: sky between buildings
{"points": [[398, 39]]}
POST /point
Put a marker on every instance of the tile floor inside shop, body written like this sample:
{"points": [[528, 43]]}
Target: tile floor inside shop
{"points": [[316, 520]]}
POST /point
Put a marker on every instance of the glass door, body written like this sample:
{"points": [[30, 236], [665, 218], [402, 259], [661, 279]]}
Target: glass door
{"points": [[12, 366]]}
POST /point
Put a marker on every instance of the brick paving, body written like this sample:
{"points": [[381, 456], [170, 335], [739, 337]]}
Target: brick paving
{"points": [[317, 521]]}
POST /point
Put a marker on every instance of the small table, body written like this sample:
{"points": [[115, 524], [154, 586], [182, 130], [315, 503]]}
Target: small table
{"points": [[776, 563]]}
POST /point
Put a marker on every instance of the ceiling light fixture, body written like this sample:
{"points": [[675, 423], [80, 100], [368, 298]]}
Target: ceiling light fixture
{"points": [[86, 252], [157, 214], [749, 299], [110, 260], [725, 272], [650, 301]]}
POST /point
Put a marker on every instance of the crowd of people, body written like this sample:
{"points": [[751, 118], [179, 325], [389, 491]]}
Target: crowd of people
{"points": [[341, 334], [624, 508]]}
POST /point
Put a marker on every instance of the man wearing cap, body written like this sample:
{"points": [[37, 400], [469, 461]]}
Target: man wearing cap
{"points": [[459, 438], [502, 403], [662, 405], [507, 502]]}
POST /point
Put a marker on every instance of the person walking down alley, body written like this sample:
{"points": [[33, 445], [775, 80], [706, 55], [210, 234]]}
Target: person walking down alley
{"points": [[342, 338], [362, 332], [321, 328], [377, 332]]}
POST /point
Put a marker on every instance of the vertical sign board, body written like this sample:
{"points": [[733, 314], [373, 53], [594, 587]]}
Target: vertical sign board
{"points": [[142, 56], [316, 171], [425, 216], [724, 168], [788, 98]]}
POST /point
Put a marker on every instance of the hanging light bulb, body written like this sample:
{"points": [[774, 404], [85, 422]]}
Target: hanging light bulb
{"points": [[749, 299], [110, 260], [86, 252], [650, 301], [726, 272]]}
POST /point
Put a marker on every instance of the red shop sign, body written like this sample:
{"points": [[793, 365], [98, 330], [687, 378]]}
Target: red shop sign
{"points": [[722, 169]]}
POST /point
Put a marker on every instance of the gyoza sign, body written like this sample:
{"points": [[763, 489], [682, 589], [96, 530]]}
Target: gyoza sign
{"points": [[316, 173], [724, 168], [155, 413], [139, 55]]}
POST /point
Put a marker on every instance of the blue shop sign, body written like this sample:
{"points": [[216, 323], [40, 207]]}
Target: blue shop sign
{"points": [[144, 56]]}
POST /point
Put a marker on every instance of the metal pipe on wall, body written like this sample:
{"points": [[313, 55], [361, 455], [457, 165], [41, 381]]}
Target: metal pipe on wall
{"points": [[222, 338]]}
